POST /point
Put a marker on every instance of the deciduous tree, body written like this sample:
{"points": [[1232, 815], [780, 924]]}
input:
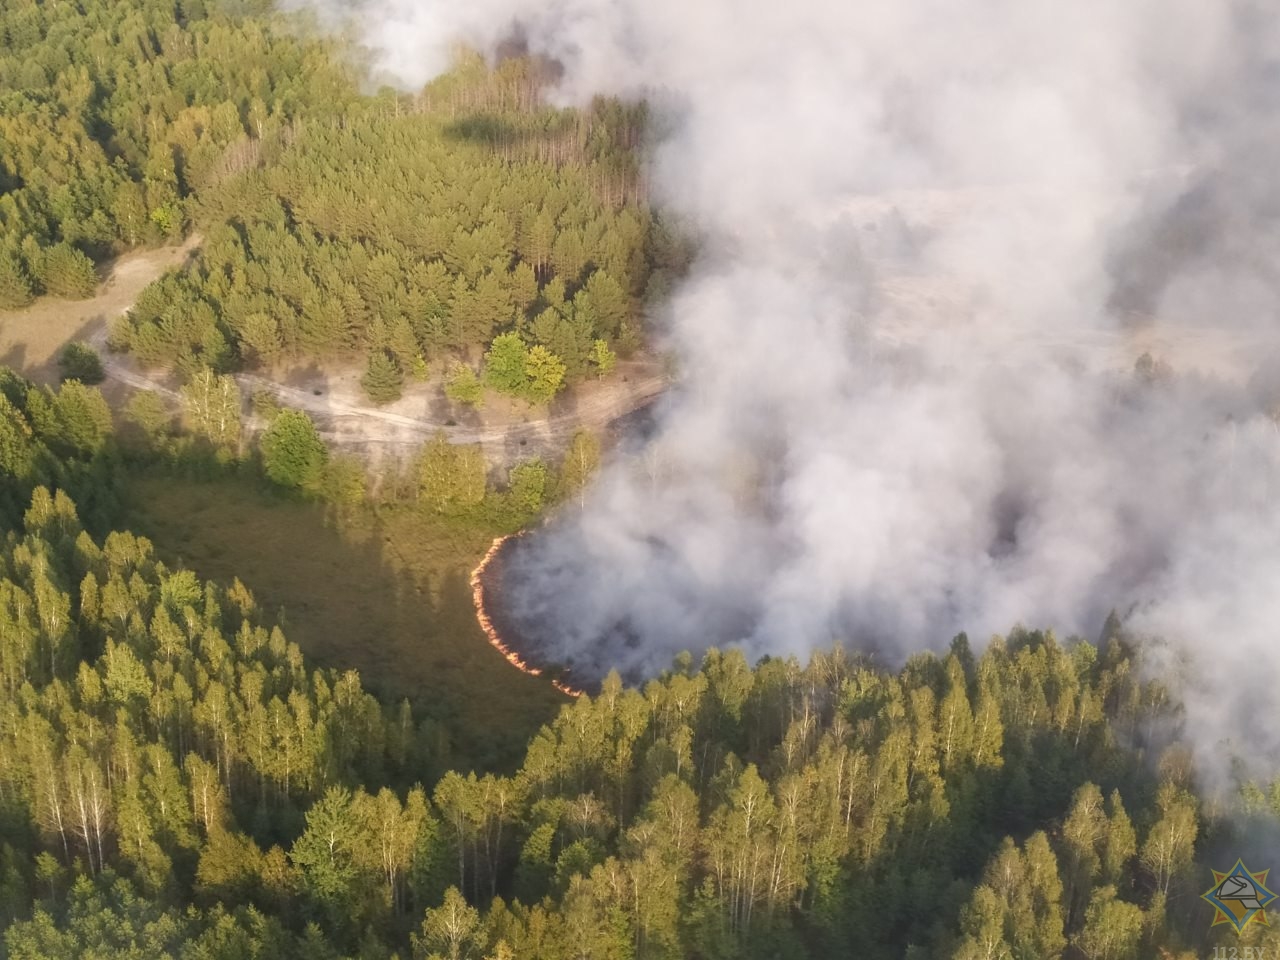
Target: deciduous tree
{"points": [[293, 455], [212, 404]]}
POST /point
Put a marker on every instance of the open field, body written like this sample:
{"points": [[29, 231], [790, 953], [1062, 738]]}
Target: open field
{"points": [[385, 594]]}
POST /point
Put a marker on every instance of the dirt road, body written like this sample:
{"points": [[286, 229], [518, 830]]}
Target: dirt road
{"points": [[30, 340], [506, 430], [920, 307]]}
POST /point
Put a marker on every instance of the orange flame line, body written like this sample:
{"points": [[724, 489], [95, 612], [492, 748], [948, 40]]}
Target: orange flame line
{"points": [[490, 631]]}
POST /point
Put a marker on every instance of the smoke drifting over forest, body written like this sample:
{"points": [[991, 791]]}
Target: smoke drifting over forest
{"points": [[906, 407]]}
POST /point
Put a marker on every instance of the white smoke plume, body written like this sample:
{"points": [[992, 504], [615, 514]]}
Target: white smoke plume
{"points": [[907, 403]]}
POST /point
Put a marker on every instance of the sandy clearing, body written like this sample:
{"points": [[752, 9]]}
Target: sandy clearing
{"points": [[31, 338], [913, 308], [506, 431]]}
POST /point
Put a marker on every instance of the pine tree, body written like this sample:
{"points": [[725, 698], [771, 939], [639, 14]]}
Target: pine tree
{"points": [[260, 336], [569, 255], [17, 447], [608, 303], [146, 413], [463, 386], [383, 380], [79, 361], [326, 853], [15, 287], [66, 272], [523, 286], [75, 420]]}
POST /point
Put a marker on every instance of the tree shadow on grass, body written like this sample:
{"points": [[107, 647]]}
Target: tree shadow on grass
{"points": [[40, 368], [385, 593], [15, 358]]}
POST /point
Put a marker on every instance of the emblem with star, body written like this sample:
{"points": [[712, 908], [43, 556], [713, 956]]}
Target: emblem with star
{"points": [[1239, 897]]}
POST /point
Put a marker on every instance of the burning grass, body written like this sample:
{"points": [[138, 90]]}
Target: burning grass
{"points": [[479, 593], [383, 592]]}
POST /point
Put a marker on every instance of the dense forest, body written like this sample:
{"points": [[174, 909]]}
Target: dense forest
{"points": [[163, 747], [311, 257], [404, 229], [176, 780], [112, 114]]}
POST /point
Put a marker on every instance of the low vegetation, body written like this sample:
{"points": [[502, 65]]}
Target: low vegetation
{"points": [[371, 578], [79, 361]]}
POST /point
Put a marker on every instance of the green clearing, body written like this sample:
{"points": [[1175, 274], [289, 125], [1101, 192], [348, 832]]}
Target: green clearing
{"points": [[384, 592]]}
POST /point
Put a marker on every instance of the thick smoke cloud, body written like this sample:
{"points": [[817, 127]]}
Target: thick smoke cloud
{"points": [[938, 236]]}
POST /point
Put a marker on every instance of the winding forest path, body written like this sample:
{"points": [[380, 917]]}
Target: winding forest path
{"points": [[31, 338], [348, 420]]}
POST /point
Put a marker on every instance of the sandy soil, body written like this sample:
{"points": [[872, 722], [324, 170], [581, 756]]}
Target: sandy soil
{"points": [[30, 338], [508, 430], [912, 307]]}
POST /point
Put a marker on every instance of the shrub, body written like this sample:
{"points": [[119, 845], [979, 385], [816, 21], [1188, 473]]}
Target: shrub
{"points": [[15, 287], [293, 454], [79, 361], [463, 386]]}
